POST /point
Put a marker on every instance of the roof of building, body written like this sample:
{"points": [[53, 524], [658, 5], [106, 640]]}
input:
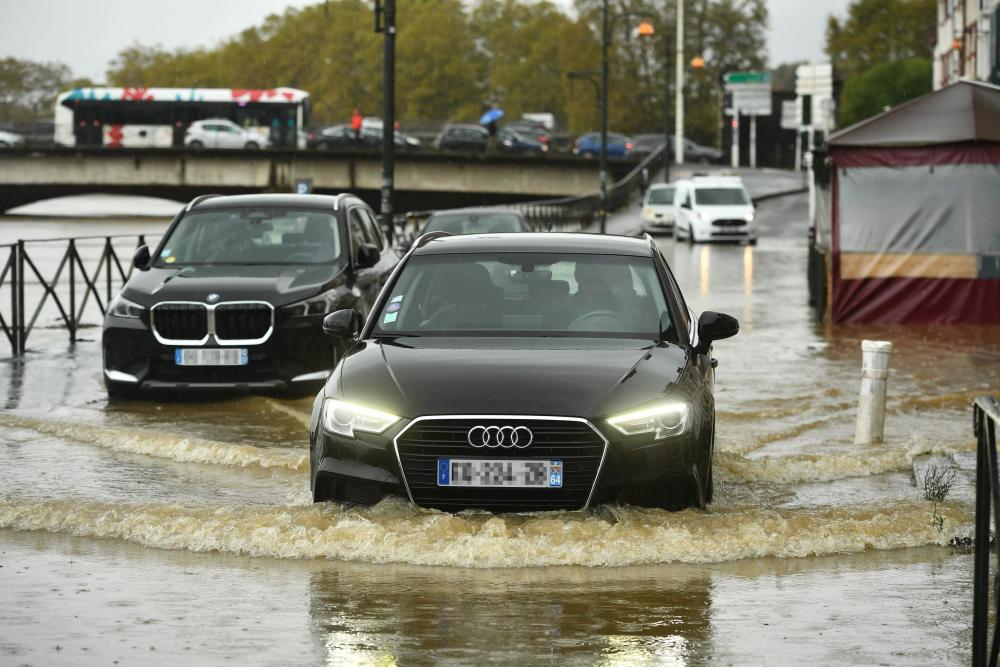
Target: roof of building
{"points": [[963, 111]]}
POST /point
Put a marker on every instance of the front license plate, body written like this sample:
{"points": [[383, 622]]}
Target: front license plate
{"points": [[505, 472], [213, 356]]}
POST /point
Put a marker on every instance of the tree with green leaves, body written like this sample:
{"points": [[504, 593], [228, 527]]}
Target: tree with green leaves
{"points": [[883, 86], [28, 89], [878, 31]]}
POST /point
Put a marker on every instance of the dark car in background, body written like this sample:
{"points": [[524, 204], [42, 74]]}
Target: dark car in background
{"points": [[522, 372], [234, 295], [512, 141], [462, 137], [476, 221], [589, 145], [342, 137], [647, 143], [532, 130]]}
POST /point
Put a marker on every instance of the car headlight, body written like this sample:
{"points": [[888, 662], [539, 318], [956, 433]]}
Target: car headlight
{"points": [[345, 418], [316, 305], [662, 420], [748, 217], [705, 216], [122, 307], [647, 211]]}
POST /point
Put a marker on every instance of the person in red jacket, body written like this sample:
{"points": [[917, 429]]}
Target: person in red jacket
{"points": [[356, 123]]}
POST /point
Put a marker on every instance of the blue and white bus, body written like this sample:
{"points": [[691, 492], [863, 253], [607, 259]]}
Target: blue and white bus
{"points": [[159, 117]]}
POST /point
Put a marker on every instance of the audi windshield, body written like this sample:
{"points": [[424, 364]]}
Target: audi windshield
{"points": [[253, 236], [530, 294]]}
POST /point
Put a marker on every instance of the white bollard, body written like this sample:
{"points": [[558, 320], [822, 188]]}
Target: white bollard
{"points": [[871, 401]]}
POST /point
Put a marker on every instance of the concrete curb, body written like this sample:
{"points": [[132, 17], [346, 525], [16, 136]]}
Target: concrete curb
{"points": [[780, 193]]}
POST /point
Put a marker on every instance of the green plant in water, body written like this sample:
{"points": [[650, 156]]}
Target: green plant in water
{"points": [[938, 481]]}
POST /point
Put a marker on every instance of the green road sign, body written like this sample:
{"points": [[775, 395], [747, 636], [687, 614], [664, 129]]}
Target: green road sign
{"points": [[747, 77]]}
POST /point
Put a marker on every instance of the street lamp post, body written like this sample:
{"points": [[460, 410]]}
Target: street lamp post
{"points": [[385, 22], [603, 177], [679, 87]]}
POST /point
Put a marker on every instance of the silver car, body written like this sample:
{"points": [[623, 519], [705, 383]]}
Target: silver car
{"points": [[222, 133]]}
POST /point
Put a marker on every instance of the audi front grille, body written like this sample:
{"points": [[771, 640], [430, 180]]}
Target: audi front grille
{"points": [[575, 442], [180, 321]]}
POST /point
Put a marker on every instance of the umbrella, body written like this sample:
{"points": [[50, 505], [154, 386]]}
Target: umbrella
{"points": [[491, 116]]}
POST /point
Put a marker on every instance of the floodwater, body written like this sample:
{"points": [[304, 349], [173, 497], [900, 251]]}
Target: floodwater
{"points": [[158, 533]]}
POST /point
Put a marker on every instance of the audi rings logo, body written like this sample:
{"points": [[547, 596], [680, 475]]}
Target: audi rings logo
{"points": [[500, 436]]}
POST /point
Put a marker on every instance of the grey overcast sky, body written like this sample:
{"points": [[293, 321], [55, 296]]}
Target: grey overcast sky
{"points": [[87, 34]]}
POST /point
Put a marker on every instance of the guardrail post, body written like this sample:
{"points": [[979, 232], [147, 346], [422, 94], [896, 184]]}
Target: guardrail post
{"points": [[19, 329], [71, 251], [871, 401], [107, 259]]}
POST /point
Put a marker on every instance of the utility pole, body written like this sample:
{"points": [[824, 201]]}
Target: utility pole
{"points": [[385, 22], [679, 88], [603, 176]]}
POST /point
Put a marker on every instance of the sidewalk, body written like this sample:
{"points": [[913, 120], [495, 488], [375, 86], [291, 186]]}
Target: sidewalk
{"points": [[760, 183]]}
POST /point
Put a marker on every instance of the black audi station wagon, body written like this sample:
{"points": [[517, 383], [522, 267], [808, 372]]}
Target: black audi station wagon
{"points": [[522, 372], [234, 295]]}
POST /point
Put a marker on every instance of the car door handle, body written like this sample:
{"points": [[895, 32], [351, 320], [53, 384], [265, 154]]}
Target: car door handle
{"points": [[714, 362]]}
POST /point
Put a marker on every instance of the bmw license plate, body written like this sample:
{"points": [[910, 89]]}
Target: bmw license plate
{"points": [[503, 472], [211, 356]]}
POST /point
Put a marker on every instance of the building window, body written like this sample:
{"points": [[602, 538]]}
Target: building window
{"points": [[971, 46]]}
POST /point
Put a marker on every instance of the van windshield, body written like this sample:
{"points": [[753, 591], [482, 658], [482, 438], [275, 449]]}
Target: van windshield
{"points": [[253, 236], [661, 196], [721, 196]]}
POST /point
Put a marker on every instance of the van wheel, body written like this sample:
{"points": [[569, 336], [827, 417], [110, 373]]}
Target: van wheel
{"points": [[196, 145]]}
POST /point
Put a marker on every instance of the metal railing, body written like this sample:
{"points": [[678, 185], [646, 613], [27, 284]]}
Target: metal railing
{"points": [[78, 282], [985, 418]]}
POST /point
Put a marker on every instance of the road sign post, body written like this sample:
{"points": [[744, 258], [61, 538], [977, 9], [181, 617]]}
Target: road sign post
{"points": [[751, 96]]}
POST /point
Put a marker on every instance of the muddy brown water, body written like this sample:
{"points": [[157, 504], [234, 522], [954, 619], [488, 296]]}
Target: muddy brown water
{"points": [[155, 533]]}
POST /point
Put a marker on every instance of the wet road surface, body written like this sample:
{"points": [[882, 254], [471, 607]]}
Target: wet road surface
{"points": [[153, 533]]}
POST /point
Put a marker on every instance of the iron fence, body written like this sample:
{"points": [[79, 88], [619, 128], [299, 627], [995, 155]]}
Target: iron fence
{"points": [[985, 417], [78, 282]]}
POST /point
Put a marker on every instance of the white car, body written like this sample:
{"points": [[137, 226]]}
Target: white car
{"points": [[715, 208], [222, 133], [10, 140], [658, 208]]}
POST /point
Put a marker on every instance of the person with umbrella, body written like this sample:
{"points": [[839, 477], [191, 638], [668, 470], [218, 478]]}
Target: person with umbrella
{"points": [[489, 120]]}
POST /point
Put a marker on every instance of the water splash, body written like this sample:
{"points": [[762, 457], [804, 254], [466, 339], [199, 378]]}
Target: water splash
{"points": [[395, 532]]}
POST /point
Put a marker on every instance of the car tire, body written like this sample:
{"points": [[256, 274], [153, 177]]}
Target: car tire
{"points": [[252, 146], [690, 235], [196, 145]]}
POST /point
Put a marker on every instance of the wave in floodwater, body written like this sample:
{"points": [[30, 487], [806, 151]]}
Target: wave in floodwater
{"points": [[395, 532], [804, 468], [162, 445]]}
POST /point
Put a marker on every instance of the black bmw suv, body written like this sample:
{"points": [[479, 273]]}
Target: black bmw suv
{"points": [[234, 295], [522, 372]]}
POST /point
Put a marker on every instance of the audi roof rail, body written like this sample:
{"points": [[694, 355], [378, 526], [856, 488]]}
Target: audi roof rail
{"points": [[430, 236], [199, 199]]}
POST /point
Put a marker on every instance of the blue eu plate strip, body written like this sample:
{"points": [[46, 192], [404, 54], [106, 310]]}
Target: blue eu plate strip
{"points": [[444, 472]]}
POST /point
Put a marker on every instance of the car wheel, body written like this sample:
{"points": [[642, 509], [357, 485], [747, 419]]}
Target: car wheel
{"points": [[690, 235], [252, 146], [196, 145]]}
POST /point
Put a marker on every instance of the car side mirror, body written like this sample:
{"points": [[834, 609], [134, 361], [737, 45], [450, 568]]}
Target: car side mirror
{"points": [[368, 255], [686, 204], [714, 326], [343, 324], [141, 258]]}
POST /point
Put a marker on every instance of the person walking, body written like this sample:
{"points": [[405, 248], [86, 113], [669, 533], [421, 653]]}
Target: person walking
{"points": [[356, 123]]}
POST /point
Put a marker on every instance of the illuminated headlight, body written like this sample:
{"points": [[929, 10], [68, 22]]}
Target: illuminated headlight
{"points": [[317, 305], [705, 217], [122, 307], [748, 217], [662, 420], [346, 418], [647, 211]]}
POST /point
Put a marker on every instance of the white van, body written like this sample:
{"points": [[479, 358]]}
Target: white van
{"points": [[658, 208], [715, 208]]}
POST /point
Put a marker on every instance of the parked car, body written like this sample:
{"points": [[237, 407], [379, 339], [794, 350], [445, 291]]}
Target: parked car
{"points": [[511, 141], [589, 145], [341, 137], [462, 137], [234, 295], [522, 372], [714, 208], [533, 130], [222, 133], [476, 221], [10, 139], [658, 208]]}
